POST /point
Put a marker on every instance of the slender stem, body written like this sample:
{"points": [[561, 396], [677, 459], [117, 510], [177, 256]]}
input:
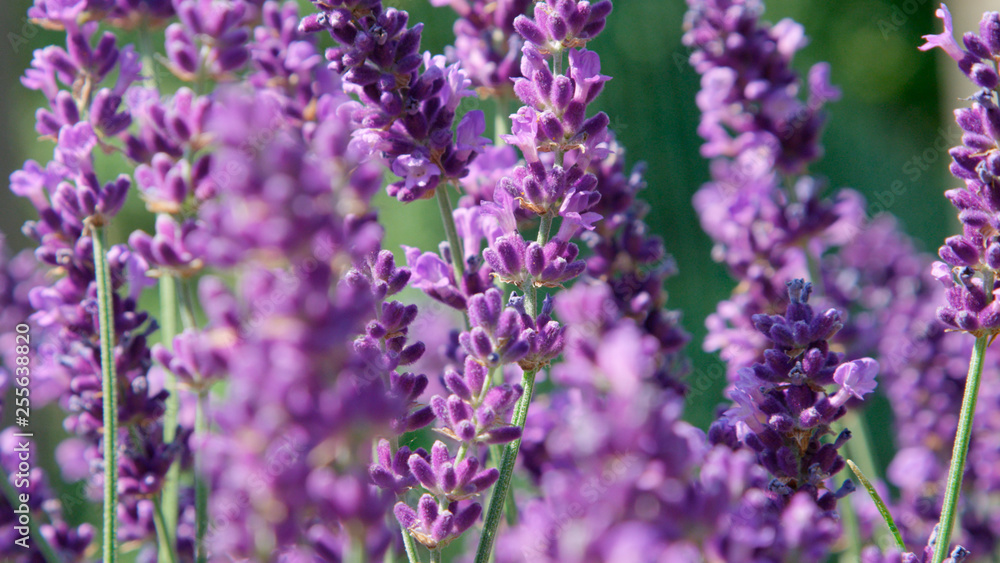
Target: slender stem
{"points": [[436, 555], [510, 511], [201, 486], [187, 305], [171, 484], [853, 530], [410, 546], [858, 447], [48, 552], [500, 120], [879, 503], [957, 470], [502, 487], [357, 551], [163, 534], [544, 229], [454, 243], [109, 394]]}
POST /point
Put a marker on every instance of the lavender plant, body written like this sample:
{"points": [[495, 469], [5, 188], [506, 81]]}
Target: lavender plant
{"points": [[295, 406]]}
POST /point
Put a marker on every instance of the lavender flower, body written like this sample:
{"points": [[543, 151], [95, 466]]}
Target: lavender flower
{"points": [[782, 410], [758, 134], [971, 259], [405, 115], [487, 44]]}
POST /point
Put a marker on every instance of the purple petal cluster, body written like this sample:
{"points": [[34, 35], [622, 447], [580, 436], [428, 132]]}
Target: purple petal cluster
{"points": [[487, 44], [71, 202], [19, 274], [622, 477], [782, 409], [289, 337], [971, 260], [760, 136], [404, 114]]}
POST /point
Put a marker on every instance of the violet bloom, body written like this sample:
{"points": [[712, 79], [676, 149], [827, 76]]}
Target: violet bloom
{"points": [[486, 43], [971, 259], [760, 136], [781, 409], [405, 115], [71, 200]]}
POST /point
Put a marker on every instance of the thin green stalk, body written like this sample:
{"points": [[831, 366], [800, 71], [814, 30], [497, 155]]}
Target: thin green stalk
{"points": [[544, 229], [879, 503], [436, 555], [357, 551], [957, 470], [410, 546], [502, 487], [858, 447], [163, 534], [171, 484], [853, 529], [496, 453], [43, 545], [500, 120], [109, 394], [455, 243], [187, 305], [200, 485]]}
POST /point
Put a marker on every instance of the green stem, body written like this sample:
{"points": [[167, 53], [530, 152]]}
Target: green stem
{"points": [[454, 243], [410, 546], [163, 536], [502, 487], [187, 306], [171, 484], [853, 529], [957, 470], [858, 447], [879, 503], [200, 485], [510, 511], [109, 393], [544, 229], [500, 120], [436, 555], [48, 552]]}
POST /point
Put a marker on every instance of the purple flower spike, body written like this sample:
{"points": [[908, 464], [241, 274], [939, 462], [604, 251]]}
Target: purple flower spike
{"points": [[781, 412]]}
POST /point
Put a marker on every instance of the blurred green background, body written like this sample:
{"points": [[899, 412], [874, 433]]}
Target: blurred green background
{"points": [[889, 115]]}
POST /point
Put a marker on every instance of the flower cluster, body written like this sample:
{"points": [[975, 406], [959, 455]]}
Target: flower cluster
{"points": [[760, 136], [73, 204], [971, 260], [486, 43], [782, 410], [405, 115], [18, 465]]}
